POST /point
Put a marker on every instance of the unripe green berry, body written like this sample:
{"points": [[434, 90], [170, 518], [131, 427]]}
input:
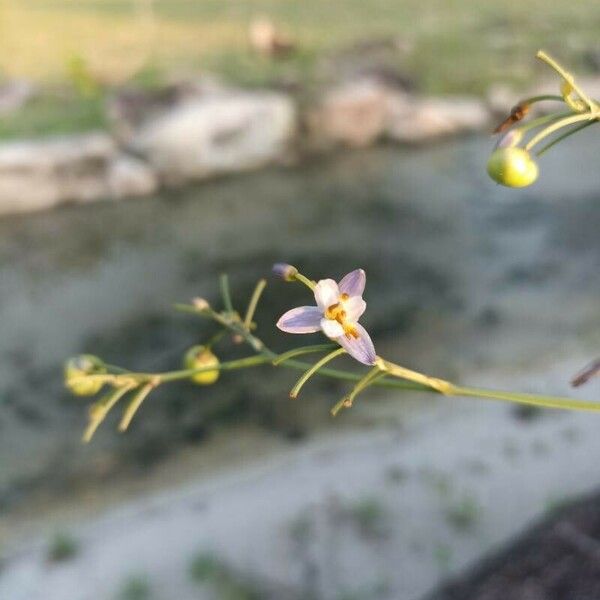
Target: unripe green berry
{"points": [[512, 167], [198, 357], [76, 371]]}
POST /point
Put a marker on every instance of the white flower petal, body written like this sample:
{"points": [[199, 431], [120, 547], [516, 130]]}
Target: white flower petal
{"points": [[353, 284], [332, 329], [354, 307], [304, 319], [361, 348], [326, 293]]}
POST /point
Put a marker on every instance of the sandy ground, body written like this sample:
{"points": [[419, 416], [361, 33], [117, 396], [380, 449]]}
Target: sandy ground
{"points": [[383, 514]]}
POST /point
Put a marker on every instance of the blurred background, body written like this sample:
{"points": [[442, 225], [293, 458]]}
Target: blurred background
{"points": [[146, 146]]}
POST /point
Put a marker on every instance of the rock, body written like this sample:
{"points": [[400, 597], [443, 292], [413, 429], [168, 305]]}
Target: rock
{"points": [[129, 176], [426, 119], [132, 107], [220, 133], [39, 174], [14, 95], [354, 114]]}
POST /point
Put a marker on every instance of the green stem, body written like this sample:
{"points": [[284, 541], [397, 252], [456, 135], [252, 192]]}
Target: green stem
{"points": [[530, 399], [542, 98], [134, 405], [104, 406], [438, 385], [365, 382], [305, 280], [258, 290], [543, 120], [559, 125], [308, 374], [563, 136], [300, 351], [225, 292], [567, 77]]}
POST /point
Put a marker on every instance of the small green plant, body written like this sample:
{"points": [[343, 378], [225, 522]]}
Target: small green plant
{"points": [[370, 516], [301, 528], [135, 587], [206, 568], [62, 547], [464, 514]]}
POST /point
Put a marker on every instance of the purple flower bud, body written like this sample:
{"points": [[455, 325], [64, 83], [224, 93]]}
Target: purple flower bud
{"points": [[285, 271]]}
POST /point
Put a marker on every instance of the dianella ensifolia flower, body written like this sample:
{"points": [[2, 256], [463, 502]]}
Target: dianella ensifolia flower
{"points": [[339, 307]]}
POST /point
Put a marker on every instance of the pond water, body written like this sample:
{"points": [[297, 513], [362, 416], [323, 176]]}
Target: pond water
{"points": [[463, 277]]}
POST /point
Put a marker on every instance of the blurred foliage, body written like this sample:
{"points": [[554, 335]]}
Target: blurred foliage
{"points": [[54, 113], [442, 46], [206, 568], [464, 514], [62, 547], [135, 588], [370, 516], [453, 45]]}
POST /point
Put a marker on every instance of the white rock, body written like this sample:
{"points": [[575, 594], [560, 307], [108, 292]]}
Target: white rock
{"points": [[129, 176], [220, 133], [354, 114], [426, 119], [39, 174]]}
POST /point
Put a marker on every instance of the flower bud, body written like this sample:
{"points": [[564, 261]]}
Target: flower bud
{"points": [[200, 304], [78, 369], [285, 271], [198, 357], [512, 167]]}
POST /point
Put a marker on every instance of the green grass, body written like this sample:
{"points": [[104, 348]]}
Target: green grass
{"points": [[207, 568], [135, 587], [62, 547], [451, 46], [52, 114]]}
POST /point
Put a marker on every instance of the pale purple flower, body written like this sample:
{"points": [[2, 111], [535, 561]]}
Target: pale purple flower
{"points": [[339, 306]]}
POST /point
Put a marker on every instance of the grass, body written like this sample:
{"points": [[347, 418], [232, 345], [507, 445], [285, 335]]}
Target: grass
{"points": [[135, 587], [456, 44], [370, 516], [62, 547], [464, 515], [451, 46], [206, 568], [54, 113]]}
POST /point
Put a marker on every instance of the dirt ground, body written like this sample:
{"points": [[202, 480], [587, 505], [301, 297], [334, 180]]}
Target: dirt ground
{"points": [[557, 559]]}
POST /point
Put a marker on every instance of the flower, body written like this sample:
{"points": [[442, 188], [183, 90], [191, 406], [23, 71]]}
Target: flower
{"points": [[339, 306], [285, 271]]}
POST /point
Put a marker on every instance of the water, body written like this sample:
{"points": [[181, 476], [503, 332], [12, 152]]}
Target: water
{"points": [[463, 277]]}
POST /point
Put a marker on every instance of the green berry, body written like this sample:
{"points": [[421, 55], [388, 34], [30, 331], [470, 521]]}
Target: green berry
{"points": [[76, 371], [512, 167], [198, 357]]}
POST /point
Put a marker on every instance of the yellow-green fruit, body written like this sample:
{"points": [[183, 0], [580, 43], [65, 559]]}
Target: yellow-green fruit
{"points": [[76, 371], [512, 167], [198, 357]]}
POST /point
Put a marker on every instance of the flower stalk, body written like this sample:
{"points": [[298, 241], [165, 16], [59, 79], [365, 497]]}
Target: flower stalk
{"points": [[512, 165], [382, 373]]}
